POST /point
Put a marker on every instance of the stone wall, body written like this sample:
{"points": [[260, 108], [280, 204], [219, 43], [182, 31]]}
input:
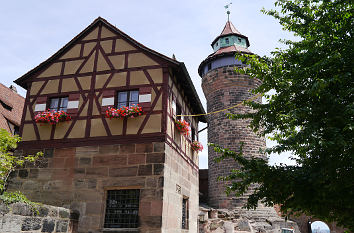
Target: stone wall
{"points": [[78, 178], [181, 181], [224, 88], [20, 217], [263, 219], [203, 186]]}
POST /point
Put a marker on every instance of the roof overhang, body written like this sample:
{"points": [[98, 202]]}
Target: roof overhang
{"points": [[213, 57]]}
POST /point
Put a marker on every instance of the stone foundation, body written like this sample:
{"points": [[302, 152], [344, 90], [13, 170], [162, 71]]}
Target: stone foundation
{"points": [[263, 219], [19, 217]]}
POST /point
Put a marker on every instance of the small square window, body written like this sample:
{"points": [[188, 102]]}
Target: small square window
{"points": [[127, 98], [58, 104], [122, 209]]}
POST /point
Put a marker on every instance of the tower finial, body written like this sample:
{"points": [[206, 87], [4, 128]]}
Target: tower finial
{"points": [[228, 11]]}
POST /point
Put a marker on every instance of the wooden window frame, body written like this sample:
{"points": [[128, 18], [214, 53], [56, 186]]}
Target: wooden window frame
{"points": [[58, 108], [128, 97]]}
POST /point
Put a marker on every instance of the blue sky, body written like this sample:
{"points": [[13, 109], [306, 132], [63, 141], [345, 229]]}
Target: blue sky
{"points": [[33, 30]]}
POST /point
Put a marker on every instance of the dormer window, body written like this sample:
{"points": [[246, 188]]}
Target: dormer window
{"points": [[58, 104], [127, 98], [6, 106], [227, 40]]}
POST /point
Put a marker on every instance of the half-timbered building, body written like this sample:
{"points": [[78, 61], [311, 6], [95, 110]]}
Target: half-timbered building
{"points": [[136, 173]]}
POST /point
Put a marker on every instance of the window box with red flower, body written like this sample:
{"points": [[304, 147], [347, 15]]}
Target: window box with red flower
{"points": [[182, 126], [124, 112], [52, 117], [197, 146]]}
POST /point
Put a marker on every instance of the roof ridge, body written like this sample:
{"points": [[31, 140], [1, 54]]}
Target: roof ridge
{"points": [[11, 91], [67, 45]]}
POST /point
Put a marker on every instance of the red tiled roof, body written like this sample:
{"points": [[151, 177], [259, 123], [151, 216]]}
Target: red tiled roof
{"points": [[15, 102], [232, 48], [229, 29]]}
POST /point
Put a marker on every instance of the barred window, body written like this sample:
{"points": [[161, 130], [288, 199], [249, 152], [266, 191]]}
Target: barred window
{"points": [[122, 208], [185, 213]]}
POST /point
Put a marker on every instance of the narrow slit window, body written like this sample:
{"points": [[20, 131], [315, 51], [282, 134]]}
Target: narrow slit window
{"points": [[185, 213], [227, 40], [122, 209]]}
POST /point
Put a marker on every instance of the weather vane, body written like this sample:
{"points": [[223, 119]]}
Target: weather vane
{"points": [[228, 11]]}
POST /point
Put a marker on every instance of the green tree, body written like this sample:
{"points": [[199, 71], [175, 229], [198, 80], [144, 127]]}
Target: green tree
{"points": [[9, 162], [310, 113]]}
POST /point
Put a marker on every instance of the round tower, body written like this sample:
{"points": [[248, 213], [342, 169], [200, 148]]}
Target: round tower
{"points": [[224, 88]]}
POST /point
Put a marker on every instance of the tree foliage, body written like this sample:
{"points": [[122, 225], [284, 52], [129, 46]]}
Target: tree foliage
{"points": [[8, 163], [310, 113]]}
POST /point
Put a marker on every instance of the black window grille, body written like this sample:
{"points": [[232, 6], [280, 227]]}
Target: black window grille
{"points": [[122, 209], [185, 213], [58, 104], [127, 98]]}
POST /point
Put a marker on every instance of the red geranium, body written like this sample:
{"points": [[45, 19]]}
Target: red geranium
{"points": [[197, 146], [183, 126], [129, 112], [52, 117]]}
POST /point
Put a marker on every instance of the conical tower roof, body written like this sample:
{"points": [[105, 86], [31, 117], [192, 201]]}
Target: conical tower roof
{"points": [[230, 29]]}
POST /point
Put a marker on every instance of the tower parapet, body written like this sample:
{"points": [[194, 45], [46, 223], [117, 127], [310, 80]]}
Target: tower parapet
{"points": [[223, 88]]}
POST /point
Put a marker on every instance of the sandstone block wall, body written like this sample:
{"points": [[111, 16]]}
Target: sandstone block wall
{"points": [[79, 177], [224, 88], [20, 217], [181, 181]]}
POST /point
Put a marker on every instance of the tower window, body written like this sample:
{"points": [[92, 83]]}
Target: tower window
{"points": [[58, 104], [185, 213], [209, 66], [127, 98], [216, 44], [239, 40], [227, 40], [122, 208]]}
